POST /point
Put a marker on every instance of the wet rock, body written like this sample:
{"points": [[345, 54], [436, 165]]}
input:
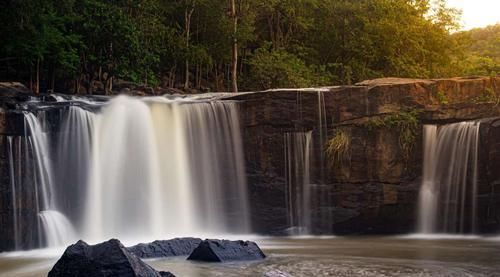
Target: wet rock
{"points": [[211, 250], [109, 258], [165, 248]]}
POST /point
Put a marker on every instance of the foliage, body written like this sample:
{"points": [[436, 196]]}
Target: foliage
{"points": [[278, 68], [442, 98], [281, 43], [338, 148], [405, 123], [482, 47], [488, 96]]}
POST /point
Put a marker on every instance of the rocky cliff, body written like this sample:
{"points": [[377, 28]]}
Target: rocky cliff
{"points": [[365, 153], [368, 182]]}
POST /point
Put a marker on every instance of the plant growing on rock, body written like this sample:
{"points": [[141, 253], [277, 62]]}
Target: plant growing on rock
{"points": [[442, 98], [488, 96], [338, 148], [406, 122]]}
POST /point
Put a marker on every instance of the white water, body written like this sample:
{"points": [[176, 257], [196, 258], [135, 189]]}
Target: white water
{"points": [[15, 196], [166, 168], [298, 179], [59, 231], [56, 227], [448, 193], [139, 169]]}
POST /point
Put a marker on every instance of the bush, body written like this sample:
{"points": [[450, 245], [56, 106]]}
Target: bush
{"points": [[280, 69]]}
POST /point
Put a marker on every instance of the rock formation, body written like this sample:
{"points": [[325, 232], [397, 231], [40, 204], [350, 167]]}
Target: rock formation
{"points": [[212, 250], [165, 248], [109, 258], [370, 187]]}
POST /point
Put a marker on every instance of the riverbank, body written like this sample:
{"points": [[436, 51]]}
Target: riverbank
{"points": [[339, 256]]}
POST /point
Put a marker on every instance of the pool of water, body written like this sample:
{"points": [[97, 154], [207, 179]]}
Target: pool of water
{"points": [[313, 256]]}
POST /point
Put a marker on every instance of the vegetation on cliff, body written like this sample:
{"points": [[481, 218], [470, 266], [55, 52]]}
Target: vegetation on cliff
{"points": [[214, 44]]}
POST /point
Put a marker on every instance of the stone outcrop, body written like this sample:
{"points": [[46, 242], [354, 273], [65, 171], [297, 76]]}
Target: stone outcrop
{"points": [[165, 248], [109, 258], [212, 250], [374, 189]]}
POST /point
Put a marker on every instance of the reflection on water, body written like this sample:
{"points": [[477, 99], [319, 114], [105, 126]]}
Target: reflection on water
{"points": [[401, 256]]}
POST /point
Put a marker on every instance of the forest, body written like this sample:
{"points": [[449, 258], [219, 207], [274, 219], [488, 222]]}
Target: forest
{"points": [[236, 45]]}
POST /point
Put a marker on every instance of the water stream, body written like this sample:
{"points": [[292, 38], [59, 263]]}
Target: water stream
{"points": [[448, 195], [298, 151]]}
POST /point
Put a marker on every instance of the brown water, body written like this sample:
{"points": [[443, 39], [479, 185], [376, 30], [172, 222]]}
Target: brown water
{"points": [[366, 256]]}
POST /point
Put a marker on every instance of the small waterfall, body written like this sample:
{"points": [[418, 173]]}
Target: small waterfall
{"points": [[298, 179], [449, 184], [13, 185], [58, 229], [53, 223], [73, 160], [323, 131]]}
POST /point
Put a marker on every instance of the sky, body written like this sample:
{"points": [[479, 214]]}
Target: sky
{"points": [[477, 13]]}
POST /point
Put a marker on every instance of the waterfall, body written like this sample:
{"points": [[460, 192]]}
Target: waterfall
{"points": [[53, 222], [164, 168], [136, 169], [15, 195], [58, 229], [298, 179], [449, 184]]}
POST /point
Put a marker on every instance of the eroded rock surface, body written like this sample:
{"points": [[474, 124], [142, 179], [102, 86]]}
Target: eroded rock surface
{"points": [[211, 250], [165, 248], [109, 258]]}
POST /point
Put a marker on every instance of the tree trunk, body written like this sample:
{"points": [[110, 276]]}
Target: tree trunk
{"points": [[187, 26], [234, 61], [37, 75], [31, 77], [53, 80]]}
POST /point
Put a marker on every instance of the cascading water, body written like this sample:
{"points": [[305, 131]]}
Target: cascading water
{"points": [[138, 169], [57, 229], [165, 168], [298, 180], [13, 185], [449, 183]]}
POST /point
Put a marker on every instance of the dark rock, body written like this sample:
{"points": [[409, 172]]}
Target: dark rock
{"points": [[109, 258], [13, 88], [165, 248], [167, 90], [226, 251]]}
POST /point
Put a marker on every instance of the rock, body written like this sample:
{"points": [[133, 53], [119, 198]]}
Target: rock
{"points": [[109, 258], [165, 248], [167, 90], [13, 88], [211, 250]]}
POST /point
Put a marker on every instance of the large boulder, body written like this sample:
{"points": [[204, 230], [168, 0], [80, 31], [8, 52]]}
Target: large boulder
{"points": [[109, 258], [212, 250], [165, 248]]}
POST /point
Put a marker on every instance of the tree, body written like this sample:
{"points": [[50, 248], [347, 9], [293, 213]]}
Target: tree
{"points": [[234, 61]]}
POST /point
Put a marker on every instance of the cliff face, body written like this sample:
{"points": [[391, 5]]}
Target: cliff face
{"points": [[367, 183], [372, 186]]}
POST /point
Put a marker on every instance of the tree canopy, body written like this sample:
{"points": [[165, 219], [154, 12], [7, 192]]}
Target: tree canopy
{"points": [[69, 45]]}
